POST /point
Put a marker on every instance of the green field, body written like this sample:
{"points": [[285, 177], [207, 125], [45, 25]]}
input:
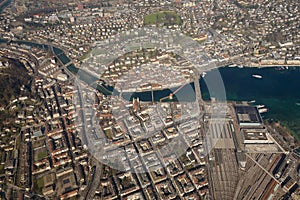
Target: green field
{"points": [[42, 155], [38, 185], [163, 17]]}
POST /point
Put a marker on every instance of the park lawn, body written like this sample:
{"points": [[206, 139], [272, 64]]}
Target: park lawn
{"points": [[165, 17], [41, 155], [38, 185]]}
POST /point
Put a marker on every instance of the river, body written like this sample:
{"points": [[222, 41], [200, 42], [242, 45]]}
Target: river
{"points": [[4, 4], [278, 90]]}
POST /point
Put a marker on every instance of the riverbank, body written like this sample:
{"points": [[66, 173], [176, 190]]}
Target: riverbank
{"points": [[285, 109]]}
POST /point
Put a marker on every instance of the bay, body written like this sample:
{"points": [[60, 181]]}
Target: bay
{"points": [[278, 90]]}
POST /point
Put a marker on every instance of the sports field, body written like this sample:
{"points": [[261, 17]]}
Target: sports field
{"points": [[163, 17]]}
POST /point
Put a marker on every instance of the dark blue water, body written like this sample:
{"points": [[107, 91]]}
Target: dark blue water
{"points": [[279, 90], [4, 5], [187, 93], [61, 55]]}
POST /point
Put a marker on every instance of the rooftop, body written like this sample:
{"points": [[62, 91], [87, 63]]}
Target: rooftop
{"points": [[247, 115]]}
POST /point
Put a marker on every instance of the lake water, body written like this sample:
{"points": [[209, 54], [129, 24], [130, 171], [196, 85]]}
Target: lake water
{"points": [[279, 90]]}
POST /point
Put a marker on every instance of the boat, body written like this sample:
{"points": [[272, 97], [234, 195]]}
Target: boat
{"points": [[257, 76], [263, 110], [203, 74], [253, 101], [240, 66], [232, 65], [260, 106]]}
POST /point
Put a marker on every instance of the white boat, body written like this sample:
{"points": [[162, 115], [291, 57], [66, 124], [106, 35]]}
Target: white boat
{"points": [[257, 76], [203, 74], [232, 65], [240, 66], [263, 110], [260, 106]]}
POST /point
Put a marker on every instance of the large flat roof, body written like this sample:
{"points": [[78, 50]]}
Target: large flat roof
{"points": [[255, 134], [247, 115]]}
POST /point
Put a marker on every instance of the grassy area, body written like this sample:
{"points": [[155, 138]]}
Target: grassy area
{"points": [[38, 185], [42, 155], [163, 17], [85, 56], [108, 134], [2, 171], [40, 182]]}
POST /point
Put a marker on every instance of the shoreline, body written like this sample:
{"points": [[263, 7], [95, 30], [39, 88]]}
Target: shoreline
{"points": [[217, 66], [253, 65]]}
